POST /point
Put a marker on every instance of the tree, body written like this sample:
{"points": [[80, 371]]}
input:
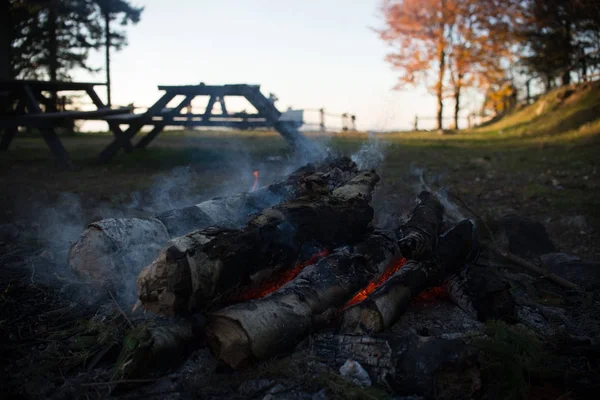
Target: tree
{"points": [[481, 45], [418, 31], [464, 39], [560, 37], [112, 10]]}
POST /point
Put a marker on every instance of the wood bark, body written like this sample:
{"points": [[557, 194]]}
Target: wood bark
{"points": [[482, 293], [420, 233], [195, 269], [112, 246], [257, 329], [388, 302], [409, 364]]}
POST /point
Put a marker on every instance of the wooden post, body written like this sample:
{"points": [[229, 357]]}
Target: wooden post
{"points": [[344, 122], [322, 119], [416, 125]]}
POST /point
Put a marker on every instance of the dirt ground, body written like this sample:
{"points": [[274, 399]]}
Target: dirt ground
{"points": [[43, 209]]}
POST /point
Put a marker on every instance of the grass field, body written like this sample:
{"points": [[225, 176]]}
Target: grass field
{"points": [[541, 161]]}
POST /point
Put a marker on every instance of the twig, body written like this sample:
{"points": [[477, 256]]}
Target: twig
{"points": [[120, 310], [531, 267], [32, 271], [117, 382]]}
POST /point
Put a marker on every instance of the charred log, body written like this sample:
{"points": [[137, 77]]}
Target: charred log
{"points": [[387, 303], [194, 269], [109, 244], [482, 293], [257, 329], [420, 233], [409, 364]]}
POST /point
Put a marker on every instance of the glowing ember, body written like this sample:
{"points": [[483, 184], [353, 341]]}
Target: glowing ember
{"points": [[370, 288], [255, 185], [278, 281], [433, 294]]}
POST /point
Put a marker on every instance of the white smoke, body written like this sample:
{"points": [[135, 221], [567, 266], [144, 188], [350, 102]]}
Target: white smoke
{"points": [[451, 211], [371, 154]]}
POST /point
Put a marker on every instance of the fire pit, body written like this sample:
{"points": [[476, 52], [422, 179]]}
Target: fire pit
{"points": [[299, 265]]}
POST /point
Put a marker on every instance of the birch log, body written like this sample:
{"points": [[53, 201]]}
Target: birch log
{"points": [[388, 302], [112, 247], [196, 268], [420, 233], [261, 328]]}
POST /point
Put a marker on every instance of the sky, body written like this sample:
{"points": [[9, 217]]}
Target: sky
{"points": [[309, 53]]}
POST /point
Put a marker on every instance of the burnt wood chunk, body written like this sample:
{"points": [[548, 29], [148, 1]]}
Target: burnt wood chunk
{"points": [[258, 329], [387, 303], [482, 293], [420, 233], [196, 268]]}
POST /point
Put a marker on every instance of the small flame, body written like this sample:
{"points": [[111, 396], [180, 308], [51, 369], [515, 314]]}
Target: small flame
{"points": [[255, 185], [278, 281], [370, 288]]}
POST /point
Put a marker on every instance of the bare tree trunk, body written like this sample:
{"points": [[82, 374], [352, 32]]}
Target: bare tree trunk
{"points": [[197, 268], [440, 90], [388, 302], [107, 54], [53, 50], [261, 328], [456, 104], [441, 72], [6, 36]]}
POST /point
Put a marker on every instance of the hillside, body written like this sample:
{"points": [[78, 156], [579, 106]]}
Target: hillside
{"points": [[572, 111]]}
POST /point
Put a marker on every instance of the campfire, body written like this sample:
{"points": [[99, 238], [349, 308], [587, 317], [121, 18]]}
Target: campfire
{"points": [[309, 261]]}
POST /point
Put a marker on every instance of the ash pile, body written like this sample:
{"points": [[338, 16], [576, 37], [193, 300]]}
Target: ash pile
{"points": [[290, 291]]}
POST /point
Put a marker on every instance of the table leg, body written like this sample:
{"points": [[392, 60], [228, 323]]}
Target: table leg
{"points": [[150, 136], [52, 140], [62, 155], [121, 140]]}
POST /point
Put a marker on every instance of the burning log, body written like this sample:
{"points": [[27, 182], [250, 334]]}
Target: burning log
{"points": [[420, 233], [194, 269], [482, 293], [387, 303], [109, 244], [409, 364], [260, 328]]}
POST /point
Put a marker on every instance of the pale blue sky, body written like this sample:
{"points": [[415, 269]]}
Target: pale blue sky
{"points": [[310, 53]]}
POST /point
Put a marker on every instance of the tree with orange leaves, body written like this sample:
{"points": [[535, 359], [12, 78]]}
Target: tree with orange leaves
{"points": [[418, 31], [465, 39]]}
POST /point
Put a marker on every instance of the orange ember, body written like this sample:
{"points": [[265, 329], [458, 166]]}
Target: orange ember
{"points": [[370, 288], [433, 294], [255, 185], [278, 281]]}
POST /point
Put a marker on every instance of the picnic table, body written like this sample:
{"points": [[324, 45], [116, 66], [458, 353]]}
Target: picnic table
{"points": [[29, 107], [23, 103], [159, 116]]}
